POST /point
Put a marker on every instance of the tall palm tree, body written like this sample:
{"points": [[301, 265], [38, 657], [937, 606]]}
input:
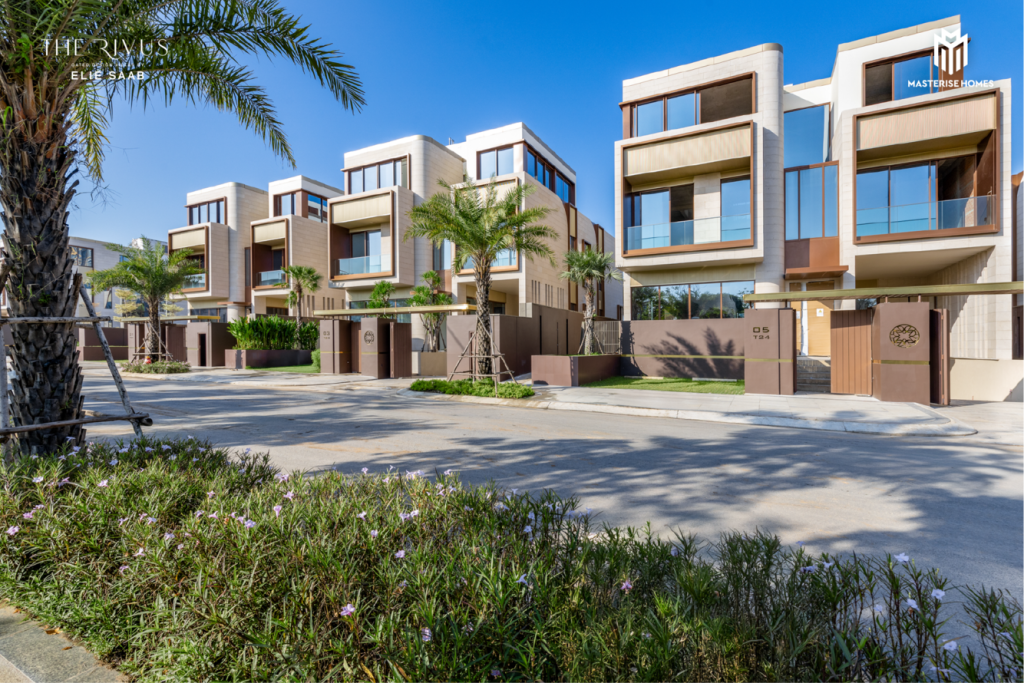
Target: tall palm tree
{"points": [[587, 268], [153, 276], [53, 125], [479, 228], [301, 279]]}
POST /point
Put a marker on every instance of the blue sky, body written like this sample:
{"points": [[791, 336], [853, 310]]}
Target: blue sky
{"points": [[454, 68]]}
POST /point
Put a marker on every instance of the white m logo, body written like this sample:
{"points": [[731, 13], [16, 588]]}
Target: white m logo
{"points": [[950, 51]]}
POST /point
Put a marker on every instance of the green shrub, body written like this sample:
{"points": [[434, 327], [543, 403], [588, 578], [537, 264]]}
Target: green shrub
{"points": [[467, 387], [273, 333], [158, 367], [316, 360], [175, 561]]}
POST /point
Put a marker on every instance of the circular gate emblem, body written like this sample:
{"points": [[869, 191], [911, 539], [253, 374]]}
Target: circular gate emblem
{"points": [[904, 336], [368, 336]]}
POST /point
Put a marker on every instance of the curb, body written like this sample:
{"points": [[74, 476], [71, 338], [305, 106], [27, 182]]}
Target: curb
{"points": [[251, 383], [30, 653], [937, 425]]}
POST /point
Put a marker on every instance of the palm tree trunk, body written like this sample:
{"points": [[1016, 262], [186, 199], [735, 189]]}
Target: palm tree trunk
{"points": [[153, 340], [482, 338], [35, 190], [588, 320]]}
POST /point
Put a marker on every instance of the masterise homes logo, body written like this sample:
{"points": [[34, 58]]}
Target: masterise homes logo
{"points": [[949, 57]]}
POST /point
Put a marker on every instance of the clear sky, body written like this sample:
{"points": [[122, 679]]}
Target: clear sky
{"points": [[454, 68]]}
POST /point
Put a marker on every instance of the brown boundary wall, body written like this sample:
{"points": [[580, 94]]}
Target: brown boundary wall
{"points": [[683, 348], [218, 340], [89, 344], [573, 371]]}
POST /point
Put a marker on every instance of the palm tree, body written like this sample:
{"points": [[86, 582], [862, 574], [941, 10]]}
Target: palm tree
{"points": [[479, 228], [53, 124], [431, 294], [301, 279], [587, 268], [153, 276]]}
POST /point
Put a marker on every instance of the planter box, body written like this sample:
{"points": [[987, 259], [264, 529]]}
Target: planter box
{"points": [[572, 371], [257, 358], [430, 364]]}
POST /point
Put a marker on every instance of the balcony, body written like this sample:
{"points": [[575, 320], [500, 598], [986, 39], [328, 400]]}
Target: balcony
{"points": [[197, 281], [362, 265], [703, 231], [949, 214], [270, 278], [506, 258]]}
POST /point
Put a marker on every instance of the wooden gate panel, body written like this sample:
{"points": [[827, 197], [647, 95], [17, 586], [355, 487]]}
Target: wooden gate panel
{"points": [[939, 360], [851, 352]]}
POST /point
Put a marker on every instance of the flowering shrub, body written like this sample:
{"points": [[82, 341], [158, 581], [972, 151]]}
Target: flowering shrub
{"points": [[160, 367], [175, 561], [467, 387]]}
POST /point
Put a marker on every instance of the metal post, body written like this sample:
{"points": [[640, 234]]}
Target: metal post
{"points": [[110, 361]]}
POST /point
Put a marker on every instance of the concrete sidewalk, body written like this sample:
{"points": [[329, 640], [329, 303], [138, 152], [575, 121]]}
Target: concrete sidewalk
{"points": [[826, 412], [253, 378]]}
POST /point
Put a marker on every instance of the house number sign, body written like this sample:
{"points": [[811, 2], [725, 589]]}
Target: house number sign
{"points": [[761, 333]]}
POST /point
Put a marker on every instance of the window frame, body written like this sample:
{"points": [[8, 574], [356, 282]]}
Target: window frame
{"points": [[695, 89], [278, 202], [797, 169], [81, 250], [552, 174], [689, 298], [828, 133], [892, 61], [495, 150], [407, 158], [222, 211], [322, 210]]}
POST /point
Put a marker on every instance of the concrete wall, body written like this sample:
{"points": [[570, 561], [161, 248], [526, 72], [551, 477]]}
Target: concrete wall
{"points": [[974, 379], [683, 348]]}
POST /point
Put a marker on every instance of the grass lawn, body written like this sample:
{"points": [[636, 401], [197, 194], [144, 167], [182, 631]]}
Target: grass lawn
{"points": [[669, 384], [289, 368]]}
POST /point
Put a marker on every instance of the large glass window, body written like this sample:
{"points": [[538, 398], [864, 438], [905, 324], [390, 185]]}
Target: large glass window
{"points": [[682, 111], [562, 188], [316, 208], [898, 79], [495, 162], [682, 302], [207, 212], [649, 118], [735, 214], [82, 256], [702, 105], [284, 204], [812, 197], [806, 134], [386, 174], [442, 256], [366, 244]]}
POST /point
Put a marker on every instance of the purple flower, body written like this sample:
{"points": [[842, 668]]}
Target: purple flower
{"points": [[27, 515], [102, 484], [800, 543], [148, 449], [123, 567], [210, 494], [63, 481], [903, 558], [61, 458], [403, 584], [281, 476], [365, 470], [12, 530], [627, 586], [277, 510], [527, 529], [113, 463], [400, 554], [168, 536], [950, 646], [807, 570], [249, 524], [76, 449], [199, 513], [36, 480], [912, 603], [289, 495], [522, 580], [404, 517], [173, 457], [387, 479], [150, 521], [675, 551], [496, 672], [180, 546], [362, 516], [647, 636], [467, 508], [414, 513], [447, 473], [140, 552], [373, 534], [39, 507], [123, 450], [348, 610], [426, 635], [165, 447], [212, 515], [938, 594]]}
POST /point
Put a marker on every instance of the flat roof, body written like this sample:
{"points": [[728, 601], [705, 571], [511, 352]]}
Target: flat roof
{"points": [[894, 292]]}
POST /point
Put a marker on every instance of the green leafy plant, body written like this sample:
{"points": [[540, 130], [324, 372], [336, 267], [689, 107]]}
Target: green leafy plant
{"points": [[480, 224], [316, 360], [159, 367], [273, 333], [431, 294], [467, 387], [380, 297], [55, 129], [301, 280], [194, 563], [587, 268]]}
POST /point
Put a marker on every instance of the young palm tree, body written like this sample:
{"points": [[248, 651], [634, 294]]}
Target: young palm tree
{"points": [[301, 279], [430, 294], [479, 228], [53, 125], [153, 276], [587, 268]]}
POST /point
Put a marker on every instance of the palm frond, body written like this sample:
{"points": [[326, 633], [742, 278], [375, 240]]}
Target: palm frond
{"points": [[89, 116]]}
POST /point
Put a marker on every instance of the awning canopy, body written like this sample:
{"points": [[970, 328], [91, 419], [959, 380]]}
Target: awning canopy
{"points": [[348, 312], [894, 292]]}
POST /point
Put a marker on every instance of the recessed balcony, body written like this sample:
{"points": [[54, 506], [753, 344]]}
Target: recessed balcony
{"points": [[713, 230], [361, 265], [949, 214], [197, 281], [272, 278]]}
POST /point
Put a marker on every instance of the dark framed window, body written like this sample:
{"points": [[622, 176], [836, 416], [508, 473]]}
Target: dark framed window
{"points": [[82, 256], [572, 243], [899, 78], [248, 267], [207, 212], [702, 104], [442, 256], [316, 208], [693, 301], [549, 177], [495, 162], [391, 173], [284, 204], [806, 136], [812, 202]]}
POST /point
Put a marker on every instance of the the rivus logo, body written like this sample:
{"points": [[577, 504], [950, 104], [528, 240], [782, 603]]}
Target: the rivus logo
{"points": [[949, 57]]}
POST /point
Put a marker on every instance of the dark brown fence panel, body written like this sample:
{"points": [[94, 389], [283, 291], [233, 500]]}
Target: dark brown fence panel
{"points": [[401, 349], [940, 360], [900, 369], [89, 344], [851, 352], [683, 348]]}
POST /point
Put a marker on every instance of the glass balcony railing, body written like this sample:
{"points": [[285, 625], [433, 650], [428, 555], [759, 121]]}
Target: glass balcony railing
{"points": [[945, 215], [362, 264], [195, 281], [272, 277], [506, 258], [681, 233]]}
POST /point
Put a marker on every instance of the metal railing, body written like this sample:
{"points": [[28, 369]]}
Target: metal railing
{"points": [[682, 233], [195, 281], [506, 258], [362, 264], [272, 277], [945, 215]]}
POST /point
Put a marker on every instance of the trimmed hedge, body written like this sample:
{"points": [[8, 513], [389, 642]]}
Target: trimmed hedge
{"points": [[467, 387], [179, 561], [157, 367]]}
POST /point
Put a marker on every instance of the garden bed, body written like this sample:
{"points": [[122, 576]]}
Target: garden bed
{"points": [[684, 384], [180, 561], [467, 387]]}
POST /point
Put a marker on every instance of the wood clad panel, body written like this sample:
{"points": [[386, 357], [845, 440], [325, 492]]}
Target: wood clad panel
{"points": [[377, 206], [188, 238], [692, 150], [939, 360], [268, 232], [851, 352], [940, 120]]}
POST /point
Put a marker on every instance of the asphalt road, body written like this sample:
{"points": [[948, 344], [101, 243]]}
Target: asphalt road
{"points": [[952, 503]]}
